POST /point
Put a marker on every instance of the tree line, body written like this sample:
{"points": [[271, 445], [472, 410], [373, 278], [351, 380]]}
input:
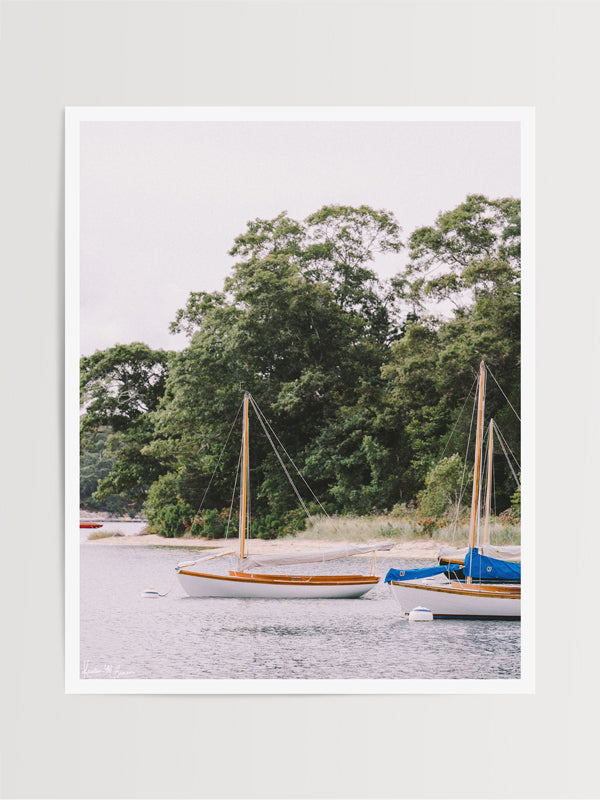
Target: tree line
{"points": [[366, 382]]}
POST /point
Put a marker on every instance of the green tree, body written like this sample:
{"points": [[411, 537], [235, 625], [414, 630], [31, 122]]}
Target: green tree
{"points": [[472, 249], [120, 387], [304, 325], [470, 262], [367, 401]]}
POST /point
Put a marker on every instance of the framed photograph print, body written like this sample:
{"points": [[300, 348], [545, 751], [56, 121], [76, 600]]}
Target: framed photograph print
{"points": [[299, 391]]}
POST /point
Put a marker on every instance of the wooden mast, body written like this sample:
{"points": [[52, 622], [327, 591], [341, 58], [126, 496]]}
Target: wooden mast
{"points": [[488, 495], [477, 467], [244, 490]]}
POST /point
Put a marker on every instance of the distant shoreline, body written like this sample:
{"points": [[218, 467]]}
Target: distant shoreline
{"points": [[415, 548]]}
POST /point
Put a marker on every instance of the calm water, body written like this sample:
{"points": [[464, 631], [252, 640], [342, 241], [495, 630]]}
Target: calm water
{"points": [[126, 636]]}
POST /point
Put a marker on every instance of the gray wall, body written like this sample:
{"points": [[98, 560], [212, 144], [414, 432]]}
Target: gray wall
{"points": [[57, 54]]}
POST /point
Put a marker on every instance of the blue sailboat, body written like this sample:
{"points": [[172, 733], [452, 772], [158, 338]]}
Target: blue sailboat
{"points": [[483, 587]]}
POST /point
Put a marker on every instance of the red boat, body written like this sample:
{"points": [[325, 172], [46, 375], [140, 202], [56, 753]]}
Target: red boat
{"points": [[90, 524]]}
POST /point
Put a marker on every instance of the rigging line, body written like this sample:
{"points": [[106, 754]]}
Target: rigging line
{"points": [[284, 468], [169, 589], [462, 480], [459, 416], [518, 482], [516, 460], [218, 463], [260, 413], [502, 390], [237, 473], [258, 410]]}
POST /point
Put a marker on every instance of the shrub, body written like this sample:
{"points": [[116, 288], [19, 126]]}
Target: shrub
{"points": [[266, 527], [164, 492], [509, 517], [176, 519], [212, 523], [429, 524], [442, 488]]}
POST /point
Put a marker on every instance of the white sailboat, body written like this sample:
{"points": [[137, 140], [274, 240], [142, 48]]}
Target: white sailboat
{"points": [[473, 599], [243, 582]]}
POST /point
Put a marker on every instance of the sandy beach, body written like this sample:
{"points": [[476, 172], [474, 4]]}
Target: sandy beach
{"points": [[402, 549]]}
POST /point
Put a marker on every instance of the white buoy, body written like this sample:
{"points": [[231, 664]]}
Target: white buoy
{"points": [[420, 614], [150, 593]]}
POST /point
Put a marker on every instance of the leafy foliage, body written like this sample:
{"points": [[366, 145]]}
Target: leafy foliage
{"points": [[120, 387], [365, 399], [96, 464], [473, 248], [442, 487], [121, 384], [431, 368], [304, 325]]}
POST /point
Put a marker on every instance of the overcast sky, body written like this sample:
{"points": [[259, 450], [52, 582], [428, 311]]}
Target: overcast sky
{"points": [[161, 202]]}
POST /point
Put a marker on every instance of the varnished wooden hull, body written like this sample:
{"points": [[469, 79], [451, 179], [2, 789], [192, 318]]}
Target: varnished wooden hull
{"points": [[283, 587], [460, 600]]}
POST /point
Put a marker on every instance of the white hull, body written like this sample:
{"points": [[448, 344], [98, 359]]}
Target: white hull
{"points": [[204, 585], [453, 601]]}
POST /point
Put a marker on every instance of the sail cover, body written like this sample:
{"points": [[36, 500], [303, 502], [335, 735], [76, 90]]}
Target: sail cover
{"points": [[312, 556], [413, 574], [453, 553], [478, 565], [503, 552]]}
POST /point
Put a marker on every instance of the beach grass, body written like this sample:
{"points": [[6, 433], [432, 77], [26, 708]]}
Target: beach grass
{"points": [[367, 528], [102, 535]]}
